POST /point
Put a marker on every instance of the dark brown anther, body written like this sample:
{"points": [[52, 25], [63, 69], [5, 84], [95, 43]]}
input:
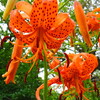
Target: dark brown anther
{"points": [[95, 88], [26, 74], [37, 67], [7, 66], [65, 98], [3, 40], [50, 91], [98, 94], [59, 74], [76, 97], [67, 59], [80, 96], [60, 96]]}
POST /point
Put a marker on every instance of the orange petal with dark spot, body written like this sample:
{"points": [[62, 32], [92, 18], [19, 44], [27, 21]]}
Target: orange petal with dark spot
{"points": [[24, 6], [52, 43], [17, 23], [62, 27], [44, 13]]}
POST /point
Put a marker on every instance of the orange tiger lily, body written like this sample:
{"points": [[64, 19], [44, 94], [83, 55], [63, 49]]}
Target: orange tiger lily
{"points": [[93, 20], [45, 28], [14, 63], [80, 69], [9, 6], [81, 20]]}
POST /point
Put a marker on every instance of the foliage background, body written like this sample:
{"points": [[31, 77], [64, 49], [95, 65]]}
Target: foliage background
{"points": [[26, 91]]}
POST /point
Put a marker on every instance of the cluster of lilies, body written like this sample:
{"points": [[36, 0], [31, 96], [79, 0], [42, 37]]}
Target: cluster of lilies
{"points": [[42, 29]]}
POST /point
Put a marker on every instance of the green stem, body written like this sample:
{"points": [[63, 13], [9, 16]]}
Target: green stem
{"points": [[45, 78], [63, 5]]}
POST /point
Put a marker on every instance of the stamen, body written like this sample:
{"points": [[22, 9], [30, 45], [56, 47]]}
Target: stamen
{"points": [[7, 66], [3, 40], [95, 88], [50, 91], [65, 98], [80, 95], [37, 66], [67, 59], [76, 96], [59, 74], [60, 97], [85, 98], [26, 74], [19, 45]]}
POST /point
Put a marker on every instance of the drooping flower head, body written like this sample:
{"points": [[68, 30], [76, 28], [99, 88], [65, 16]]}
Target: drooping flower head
{"points": [[40, 27], [80, 68], [40, 24], [93, 20]]}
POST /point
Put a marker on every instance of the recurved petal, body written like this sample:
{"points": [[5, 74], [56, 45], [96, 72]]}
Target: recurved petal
{"points": [[44, 13], [52, 43], [90, 64], [50, 82], [10, 75], [71, 56], [85, 77], [18, 23], [96, 10], [28, 39], [8, 79], [62, 27], [90, 14], [24, 6]]}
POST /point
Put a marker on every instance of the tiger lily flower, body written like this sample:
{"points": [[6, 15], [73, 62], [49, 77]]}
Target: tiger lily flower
{"points": [[81, 20], [9, 6], [80, 68], [93, 20], [40, 26], [14, 63]]}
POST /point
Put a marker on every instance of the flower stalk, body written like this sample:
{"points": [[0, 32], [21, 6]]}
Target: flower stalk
{"points": [[45, 78]]}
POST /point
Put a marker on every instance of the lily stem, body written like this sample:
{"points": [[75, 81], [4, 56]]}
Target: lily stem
{"points": [[45, 78], [63, 5]]}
